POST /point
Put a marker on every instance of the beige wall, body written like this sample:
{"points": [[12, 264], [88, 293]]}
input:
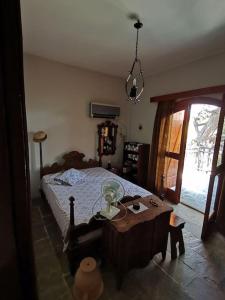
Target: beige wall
{"points": [[204, 73], [57, 101]]}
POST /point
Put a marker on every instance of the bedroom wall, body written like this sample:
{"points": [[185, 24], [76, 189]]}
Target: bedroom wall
{"points": [[57, 101], [200, 74]]}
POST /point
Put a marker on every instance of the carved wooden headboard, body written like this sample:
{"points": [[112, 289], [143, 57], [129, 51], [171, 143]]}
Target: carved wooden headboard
{"points": [[72, 159]]}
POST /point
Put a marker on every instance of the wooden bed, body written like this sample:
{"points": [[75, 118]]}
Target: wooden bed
{"points": [[91, 245], [83, 239]]}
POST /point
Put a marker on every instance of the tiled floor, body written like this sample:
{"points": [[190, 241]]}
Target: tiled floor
{"points": [[198, 274]]}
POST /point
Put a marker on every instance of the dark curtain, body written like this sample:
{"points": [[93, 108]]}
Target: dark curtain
{"points": [[159, 145]]}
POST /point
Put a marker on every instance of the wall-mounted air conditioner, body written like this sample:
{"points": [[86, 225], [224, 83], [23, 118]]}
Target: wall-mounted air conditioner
{"points": [[106, 111]]}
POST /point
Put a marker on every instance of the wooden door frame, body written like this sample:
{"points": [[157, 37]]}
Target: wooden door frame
{"points": [[198, 96], [185, 104], [209, 220], [219, 89], [15, 186]]}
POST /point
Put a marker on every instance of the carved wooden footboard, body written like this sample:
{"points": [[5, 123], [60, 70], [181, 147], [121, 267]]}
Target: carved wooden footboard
{"points": [[86, 239], [82, 240]]}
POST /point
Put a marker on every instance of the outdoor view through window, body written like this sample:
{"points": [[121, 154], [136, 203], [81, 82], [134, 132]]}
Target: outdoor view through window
{"points": [[201, 139]]}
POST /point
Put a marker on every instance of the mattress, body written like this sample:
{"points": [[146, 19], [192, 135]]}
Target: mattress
{"points": [[87, 194]]}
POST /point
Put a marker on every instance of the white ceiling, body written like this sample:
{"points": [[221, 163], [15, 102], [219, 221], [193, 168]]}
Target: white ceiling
{"points": [[97, 35]]}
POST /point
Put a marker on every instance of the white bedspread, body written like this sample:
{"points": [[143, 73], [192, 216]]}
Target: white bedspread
{"points": [[87, 196]]}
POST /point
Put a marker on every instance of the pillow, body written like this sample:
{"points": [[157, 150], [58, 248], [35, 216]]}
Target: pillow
{"points": [[70, 177], [50, 179]]}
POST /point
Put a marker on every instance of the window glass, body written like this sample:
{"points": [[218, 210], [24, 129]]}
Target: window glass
{"points": [[219, 161], [214, 192]]}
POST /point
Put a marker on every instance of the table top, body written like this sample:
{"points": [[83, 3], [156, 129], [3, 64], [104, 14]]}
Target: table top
{"points": [[133, 219]]}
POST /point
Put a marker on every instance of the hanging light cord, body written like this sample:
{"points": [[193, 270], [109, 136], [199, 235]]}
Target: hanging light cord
{"points": [[136, 50], [136, 90]]}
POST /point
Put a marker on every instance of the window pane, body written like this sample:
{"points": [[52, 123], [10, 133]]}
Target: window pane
{"points": [[219, 161], [215, 185], [175, 132], [170, 172]]}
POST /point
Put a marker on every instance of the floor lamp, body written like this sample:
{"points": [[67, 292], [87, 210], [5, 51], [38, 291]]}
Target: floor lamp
{"points": [[39, 137]]}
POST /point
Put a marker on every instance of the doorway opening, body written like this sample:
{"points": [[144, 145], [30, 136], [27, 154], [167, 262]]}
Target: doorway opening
{"points": [[201, 138], [190, 156]]}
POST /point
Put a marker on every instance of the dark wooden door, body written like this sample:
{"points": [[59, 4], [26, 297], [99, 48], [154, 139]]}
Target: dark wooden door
{"points": [[215, 189], [16, 253], [220, 219]]}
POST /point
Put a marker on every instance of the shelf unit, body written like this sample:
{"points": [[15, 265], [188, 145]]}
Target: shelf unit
{"points": [[107, 132], [135, 162]]}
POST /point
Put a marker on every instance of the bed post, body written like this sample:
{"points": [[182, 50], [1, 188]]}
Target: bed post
{"points": [[71, 199], [71, 239]]}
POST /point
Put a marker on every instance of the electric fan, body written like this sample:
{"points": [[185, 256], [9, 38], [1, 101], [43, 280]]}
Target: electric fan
{"points": [[112, 192]]}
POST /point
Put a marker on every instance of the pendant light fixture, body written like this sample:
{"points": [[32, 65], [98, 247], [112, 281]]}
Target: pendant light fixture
{"points": [[135, 80]]}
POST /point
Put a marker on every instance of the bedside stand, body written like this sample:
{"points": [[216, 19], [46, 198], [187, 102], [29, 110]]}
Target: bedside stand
{"points": [[132, 242]]}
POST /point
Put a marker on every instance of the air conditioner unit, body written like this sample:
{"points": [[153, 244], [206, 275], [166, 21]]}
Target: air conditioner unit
{"points": [[106, 111]]}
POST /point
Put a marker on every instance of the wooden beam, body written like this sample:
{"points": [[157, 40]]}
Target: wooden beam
{"points": [[188, 94]]}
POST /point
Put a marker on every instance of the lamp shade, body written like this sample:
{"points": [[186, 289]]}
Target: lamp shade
{"points": [[39, 136]]}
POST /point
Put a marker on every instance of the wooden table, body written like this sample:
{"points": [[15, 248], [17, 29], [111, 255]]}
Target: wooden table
{"points": [[133, 241]]}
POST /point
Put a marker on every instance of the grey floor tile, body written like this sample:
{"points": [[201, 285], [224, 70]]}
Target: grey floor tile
{"points": [[177, 269], [222, 285], [199, 289], [46, 263], [54, 234], [198, 274], [45, 208], [69, 280], [195, 261], [43, 248], [56, 292], [211, 268], [158, 285], [62, 258], [39, 232], [49, 219], [36, 202], [36, 216]]}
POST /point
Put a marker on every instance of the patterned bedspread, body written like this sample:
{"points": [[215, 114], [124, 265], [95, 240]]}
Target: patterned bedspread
{"points": [[87, 194]]}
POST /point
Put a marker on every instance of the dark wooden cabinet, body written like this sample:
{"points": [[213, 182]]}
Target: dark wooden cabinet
{"points": [[133, 241], [107, 132], [135, 162]]}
